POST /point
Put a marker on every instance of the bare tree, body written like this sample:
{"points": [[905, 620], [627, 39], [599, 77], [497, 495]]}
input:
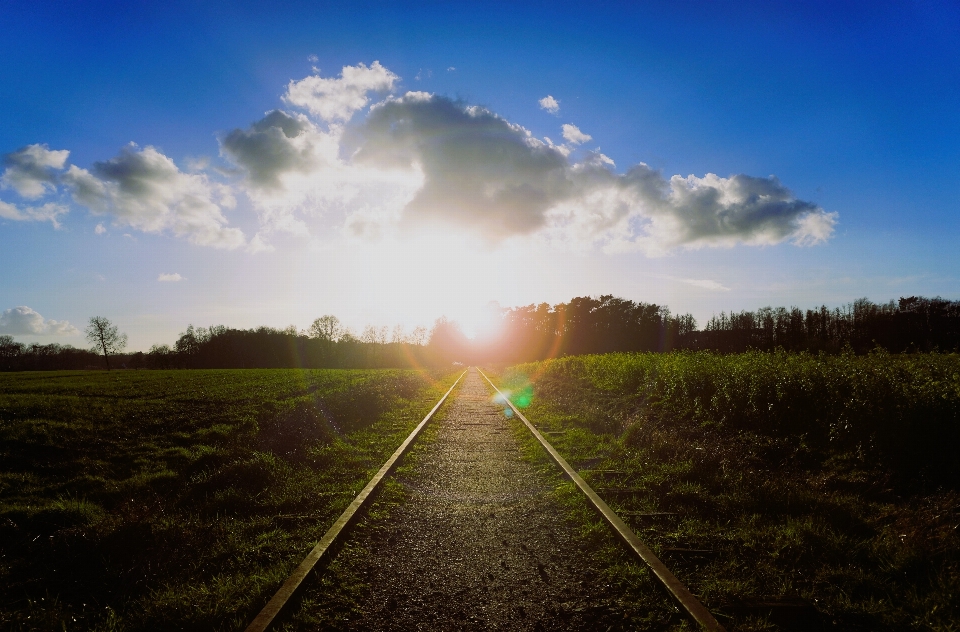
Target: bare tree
{"points": [[419, 336], [105, 338], [327, 328], [369, 335]]}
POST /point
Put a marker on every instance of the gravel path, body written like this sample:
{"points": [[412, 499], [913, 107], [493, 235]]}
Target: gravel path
{"points": [[481, 543]]}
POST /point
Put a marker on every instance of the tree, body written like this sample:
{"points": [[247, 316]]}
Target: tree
{"points": [[9, 348], [327, 328], [105, 338], [189, 341], [419, 336]]}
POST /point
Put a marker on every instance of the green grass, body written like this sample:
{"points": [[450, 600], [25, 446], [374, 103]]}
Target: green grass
{"points": [[828, 479], [180, 499]]}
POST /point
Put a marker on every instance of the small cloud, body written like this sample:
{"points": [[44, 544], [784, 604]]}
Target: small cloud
{"points": [[549, 104], [24, 321], [100, 229], [451, 69], [312, 59], [572, 134], [815, 228], [707, 284], [337, 99], [129, 236], [48, 212], [172, 278]]}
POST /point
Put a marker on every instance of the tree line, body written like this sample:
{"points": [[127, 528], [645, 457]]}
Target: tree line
{"points": [[908, 325], [583, 325], [326, 344], [605, 324], [534, 332]]}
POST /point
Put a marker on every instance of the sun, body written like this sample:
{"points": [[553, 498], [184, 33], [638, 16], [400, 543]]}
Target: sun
{"points": [[481, 324]]}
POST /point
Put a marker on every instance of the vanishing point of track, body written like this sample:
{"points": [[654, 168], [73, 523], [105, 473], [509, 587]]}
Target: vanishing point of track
{"points": [[325, 547]]}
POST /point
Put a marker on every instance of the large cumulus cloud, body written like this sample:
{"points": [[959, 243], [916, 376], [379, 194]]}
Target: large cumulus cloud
{"points": [[293, 170], [478, 169], [481, 171], [144, 189], [421, 158], [333, 162], [24, 321]]}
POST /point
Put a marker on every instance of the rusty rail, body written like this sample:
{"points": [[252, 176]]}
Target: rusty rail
{"points": [[289, 588], [677, 590]]}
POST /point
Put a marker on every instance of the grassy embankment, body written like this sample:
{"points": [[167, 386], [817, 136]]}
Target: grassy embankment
{"points": [[180, 499], [793, 491]]}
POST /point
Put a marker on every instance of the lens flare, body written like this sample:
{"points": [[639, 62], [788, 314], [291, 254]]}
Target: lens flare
{"points": [[521, 398]]}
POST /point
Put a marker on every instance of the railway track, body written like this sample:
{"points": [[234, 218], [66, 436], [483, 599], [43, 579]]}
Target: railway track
{"points": [[689, 604]]}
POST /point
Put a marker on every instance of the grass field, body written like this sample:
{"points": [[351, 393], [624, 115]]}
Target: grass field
{"points": [[788, 491], [179, 500]]}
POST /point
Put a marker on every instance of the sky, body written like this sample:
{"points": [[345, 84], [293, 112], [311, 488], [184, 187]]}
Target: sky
{"points": [[206, 163]]}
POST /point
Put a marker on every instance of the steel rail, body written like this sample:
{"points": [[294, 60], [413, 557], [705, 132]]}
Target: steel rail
{"points": [[677, 590], [289, 588]]}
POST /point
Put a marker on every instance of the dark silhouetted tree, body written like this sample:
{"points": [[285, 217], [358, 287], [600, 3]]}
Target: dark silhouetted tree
{"points": [[105, 338]]}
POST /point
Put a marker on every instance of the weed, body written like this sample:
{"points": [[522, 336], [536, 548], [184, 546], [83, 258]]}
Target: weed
{"points": [[781, 479]]}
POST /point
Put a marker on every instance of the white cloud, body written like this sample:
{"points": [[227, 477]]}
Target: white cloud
{"points": [[716, 211], [338, 99], [488, 175], [277, 144], [549, 104], [23, 321], [31, 170], [411, 161], [198, 163], [815, 228], [48, 212], [313, 59], [171, 278], [707, 284], [422, 158], [479, 170], [451, 69], [573, 134], [145, 190], [294, 170], [259, 244]]}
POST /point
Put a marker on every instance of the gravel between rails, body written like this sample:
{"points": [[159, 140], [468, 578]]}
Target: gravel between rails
{"points": [[480, 543]]}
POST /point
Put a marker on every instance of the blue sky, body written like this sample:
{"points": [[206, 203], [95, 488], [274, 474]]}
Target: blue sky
{"points": [[376, 192]]}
